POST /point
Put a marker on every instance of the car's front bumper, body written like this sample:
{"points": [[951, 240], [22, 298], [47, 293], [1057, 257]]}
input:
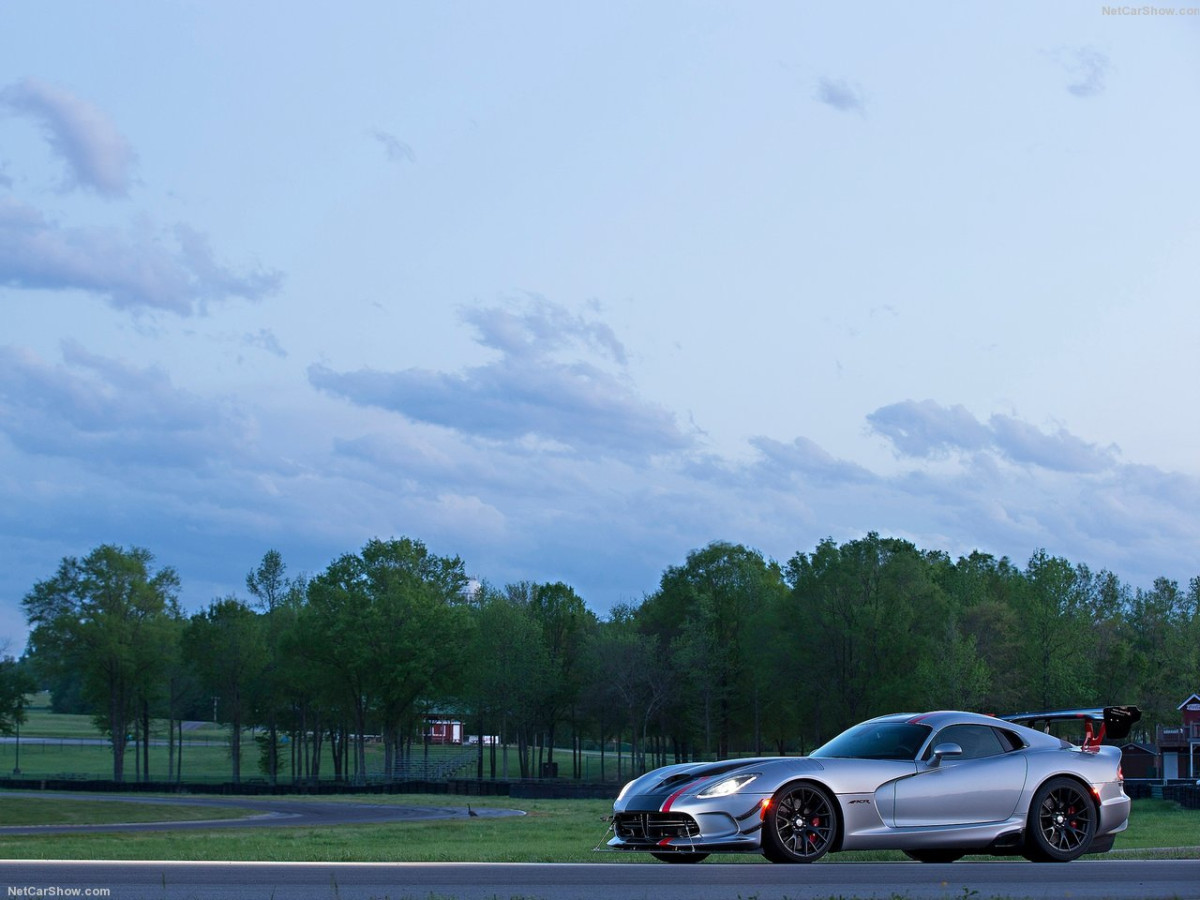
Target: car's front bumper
{"points": [[725, 825]]}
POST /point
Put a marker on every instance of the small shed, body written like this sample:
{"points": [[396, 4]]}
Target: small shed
{"points": [[1190, 711], [1140, 761], [442, 730]]}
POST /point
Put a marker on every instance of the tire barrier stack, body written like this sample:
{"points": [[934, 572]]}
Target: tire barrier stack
{"points": [[1186, 795]]}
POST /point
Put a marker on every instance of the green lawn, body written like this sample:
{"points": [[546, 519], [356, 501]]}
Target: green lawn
{"points": [[53, 810], [51, 747], [552, 831]]}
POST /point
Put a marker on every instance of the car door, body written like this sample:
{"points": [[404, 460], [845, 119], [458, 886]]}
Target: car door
{"points": [[982, 785]]}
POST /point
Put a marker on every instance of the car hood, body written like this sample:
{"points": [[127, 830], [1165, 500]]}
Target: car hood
{"points": [[654, 789]]}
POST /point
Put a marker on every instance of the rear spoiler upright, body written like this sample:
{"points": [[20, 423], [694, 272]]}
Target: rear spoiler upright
{"points": [[1111, 722]]}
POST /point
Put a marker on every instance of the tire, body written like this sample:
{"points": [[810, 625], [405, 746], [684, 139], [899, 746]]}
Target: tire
{"points": [[935, 856], [801, 824], [1062, 822], [679, 856]]}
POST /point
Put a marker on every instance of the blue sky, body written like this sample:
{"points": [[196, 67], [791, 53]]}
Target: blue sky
{"points": [[571, 289]]}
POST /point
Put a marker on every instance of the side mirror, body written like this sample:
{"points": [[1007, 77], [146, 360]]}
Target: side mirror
{"points": [[941, 751]]}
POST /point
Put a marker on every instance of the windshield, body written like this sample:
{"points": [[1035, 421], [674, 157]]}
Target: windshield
{"points": [[878, 740]]}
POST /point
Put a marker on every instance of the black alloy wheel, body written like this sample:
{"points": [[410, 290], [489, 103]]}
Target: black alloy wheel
{"points": [[1062, 822], [800, 825]]}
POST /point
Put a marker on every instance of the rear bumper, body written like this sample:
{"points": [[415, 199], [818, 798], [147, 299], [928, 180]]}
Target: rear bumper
{"points": [[1114, 808]]}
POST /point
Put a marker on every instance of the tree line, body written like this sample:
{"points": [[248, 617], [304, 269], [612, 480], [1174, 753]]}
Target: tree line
{"points": [[732, 653]]}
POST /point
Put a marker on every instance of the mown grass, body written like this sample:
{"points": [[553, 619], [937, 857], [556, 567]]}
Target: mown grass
{"points": [[56, 811], [51, 746], [551, 831]]}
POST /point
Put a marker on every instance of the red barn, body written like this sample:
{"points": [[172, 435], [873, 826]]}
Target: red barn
{"points": [[443, 731], [1180, 746]]}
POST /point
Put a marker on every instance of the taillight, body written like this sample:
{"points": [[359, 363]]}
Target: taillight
{"points": [[1120, 774]]}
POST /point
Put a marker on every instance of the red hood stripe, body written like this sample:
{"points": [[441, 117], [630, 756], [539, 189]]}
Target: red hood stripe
{"points": [[666, 807]]}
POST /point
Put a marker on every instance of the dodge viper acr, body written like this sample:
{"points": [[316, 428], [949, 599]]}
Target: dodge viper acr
{"points": [[935, 785]]}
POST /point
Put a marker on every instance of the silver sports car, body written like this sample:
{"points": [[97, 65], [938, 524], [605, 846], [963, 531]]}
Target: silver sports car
{"points": [[936, 785]]}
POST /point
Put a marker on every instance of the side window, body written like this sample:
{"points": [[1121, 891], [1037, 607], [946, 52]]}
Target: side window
{"points": [[1009, 741], [977, 741]]}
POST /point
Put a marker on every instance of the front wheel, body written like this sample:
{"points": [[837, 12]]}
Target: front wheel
{"points": [[680, 856], [1062, 822], [800, 824]]}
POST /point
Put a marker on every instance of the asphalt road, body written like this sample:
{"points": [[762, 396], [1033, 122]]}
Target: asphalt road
{"points": [[268, 811], [1093, 880]]}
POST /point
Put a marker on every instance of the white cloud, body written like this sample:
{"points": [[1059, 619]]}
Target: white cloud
{"points": [[839, 94], [103, 412], [175, 273], [1088, 68], [97, 156], [579, 403], [925, 429], [396, 149]]}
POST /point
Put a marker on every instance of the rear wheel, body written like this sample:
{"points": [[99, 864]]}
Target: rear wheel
{"points": [[800, 824], [679, 856], [1062, 822], [934, 856]]}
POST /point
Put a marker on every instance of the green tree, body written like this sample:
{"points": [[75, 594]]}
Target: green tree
{"points": [[107, 617], [565, 623], [869, 608], [984, 638], [1163, 626], [269, 585], [15, 682], [226, 647], [1054, 663], [704, 610], [508, 670], [389, 624], [631, 683]]}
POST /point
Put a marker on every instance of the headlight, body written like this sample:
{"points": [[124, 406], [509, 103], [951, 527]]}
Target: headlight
{"points": [[727, 786], [628, 784]]}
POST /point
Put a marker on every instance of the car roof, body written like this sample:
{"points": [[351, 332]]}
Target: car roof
{"points": [[939, 719]]}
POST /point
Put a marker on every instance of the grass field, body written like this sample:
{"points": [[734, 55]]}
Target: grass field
{"points": [[58, 745], [56, 811], [552, 831]]}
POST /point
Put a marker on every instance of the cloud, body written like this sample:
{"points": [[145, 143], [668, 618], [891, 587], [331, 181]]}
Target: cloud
{"points": [[805, 461], [576, 403], [1060, 451], [99, 450], [841, 95], [1088, 68], [131, 271], [926, 429], [104, 412], [265, 339], [397, 150], [96, 155]]}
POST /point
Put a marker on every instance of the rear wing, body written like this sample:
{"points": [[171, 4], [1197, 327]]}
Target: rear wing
{"points": [[1111, 722]]}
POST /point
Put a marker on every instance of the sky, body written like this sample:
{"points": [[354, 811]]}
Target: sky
{"points": [[571, 289]]}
